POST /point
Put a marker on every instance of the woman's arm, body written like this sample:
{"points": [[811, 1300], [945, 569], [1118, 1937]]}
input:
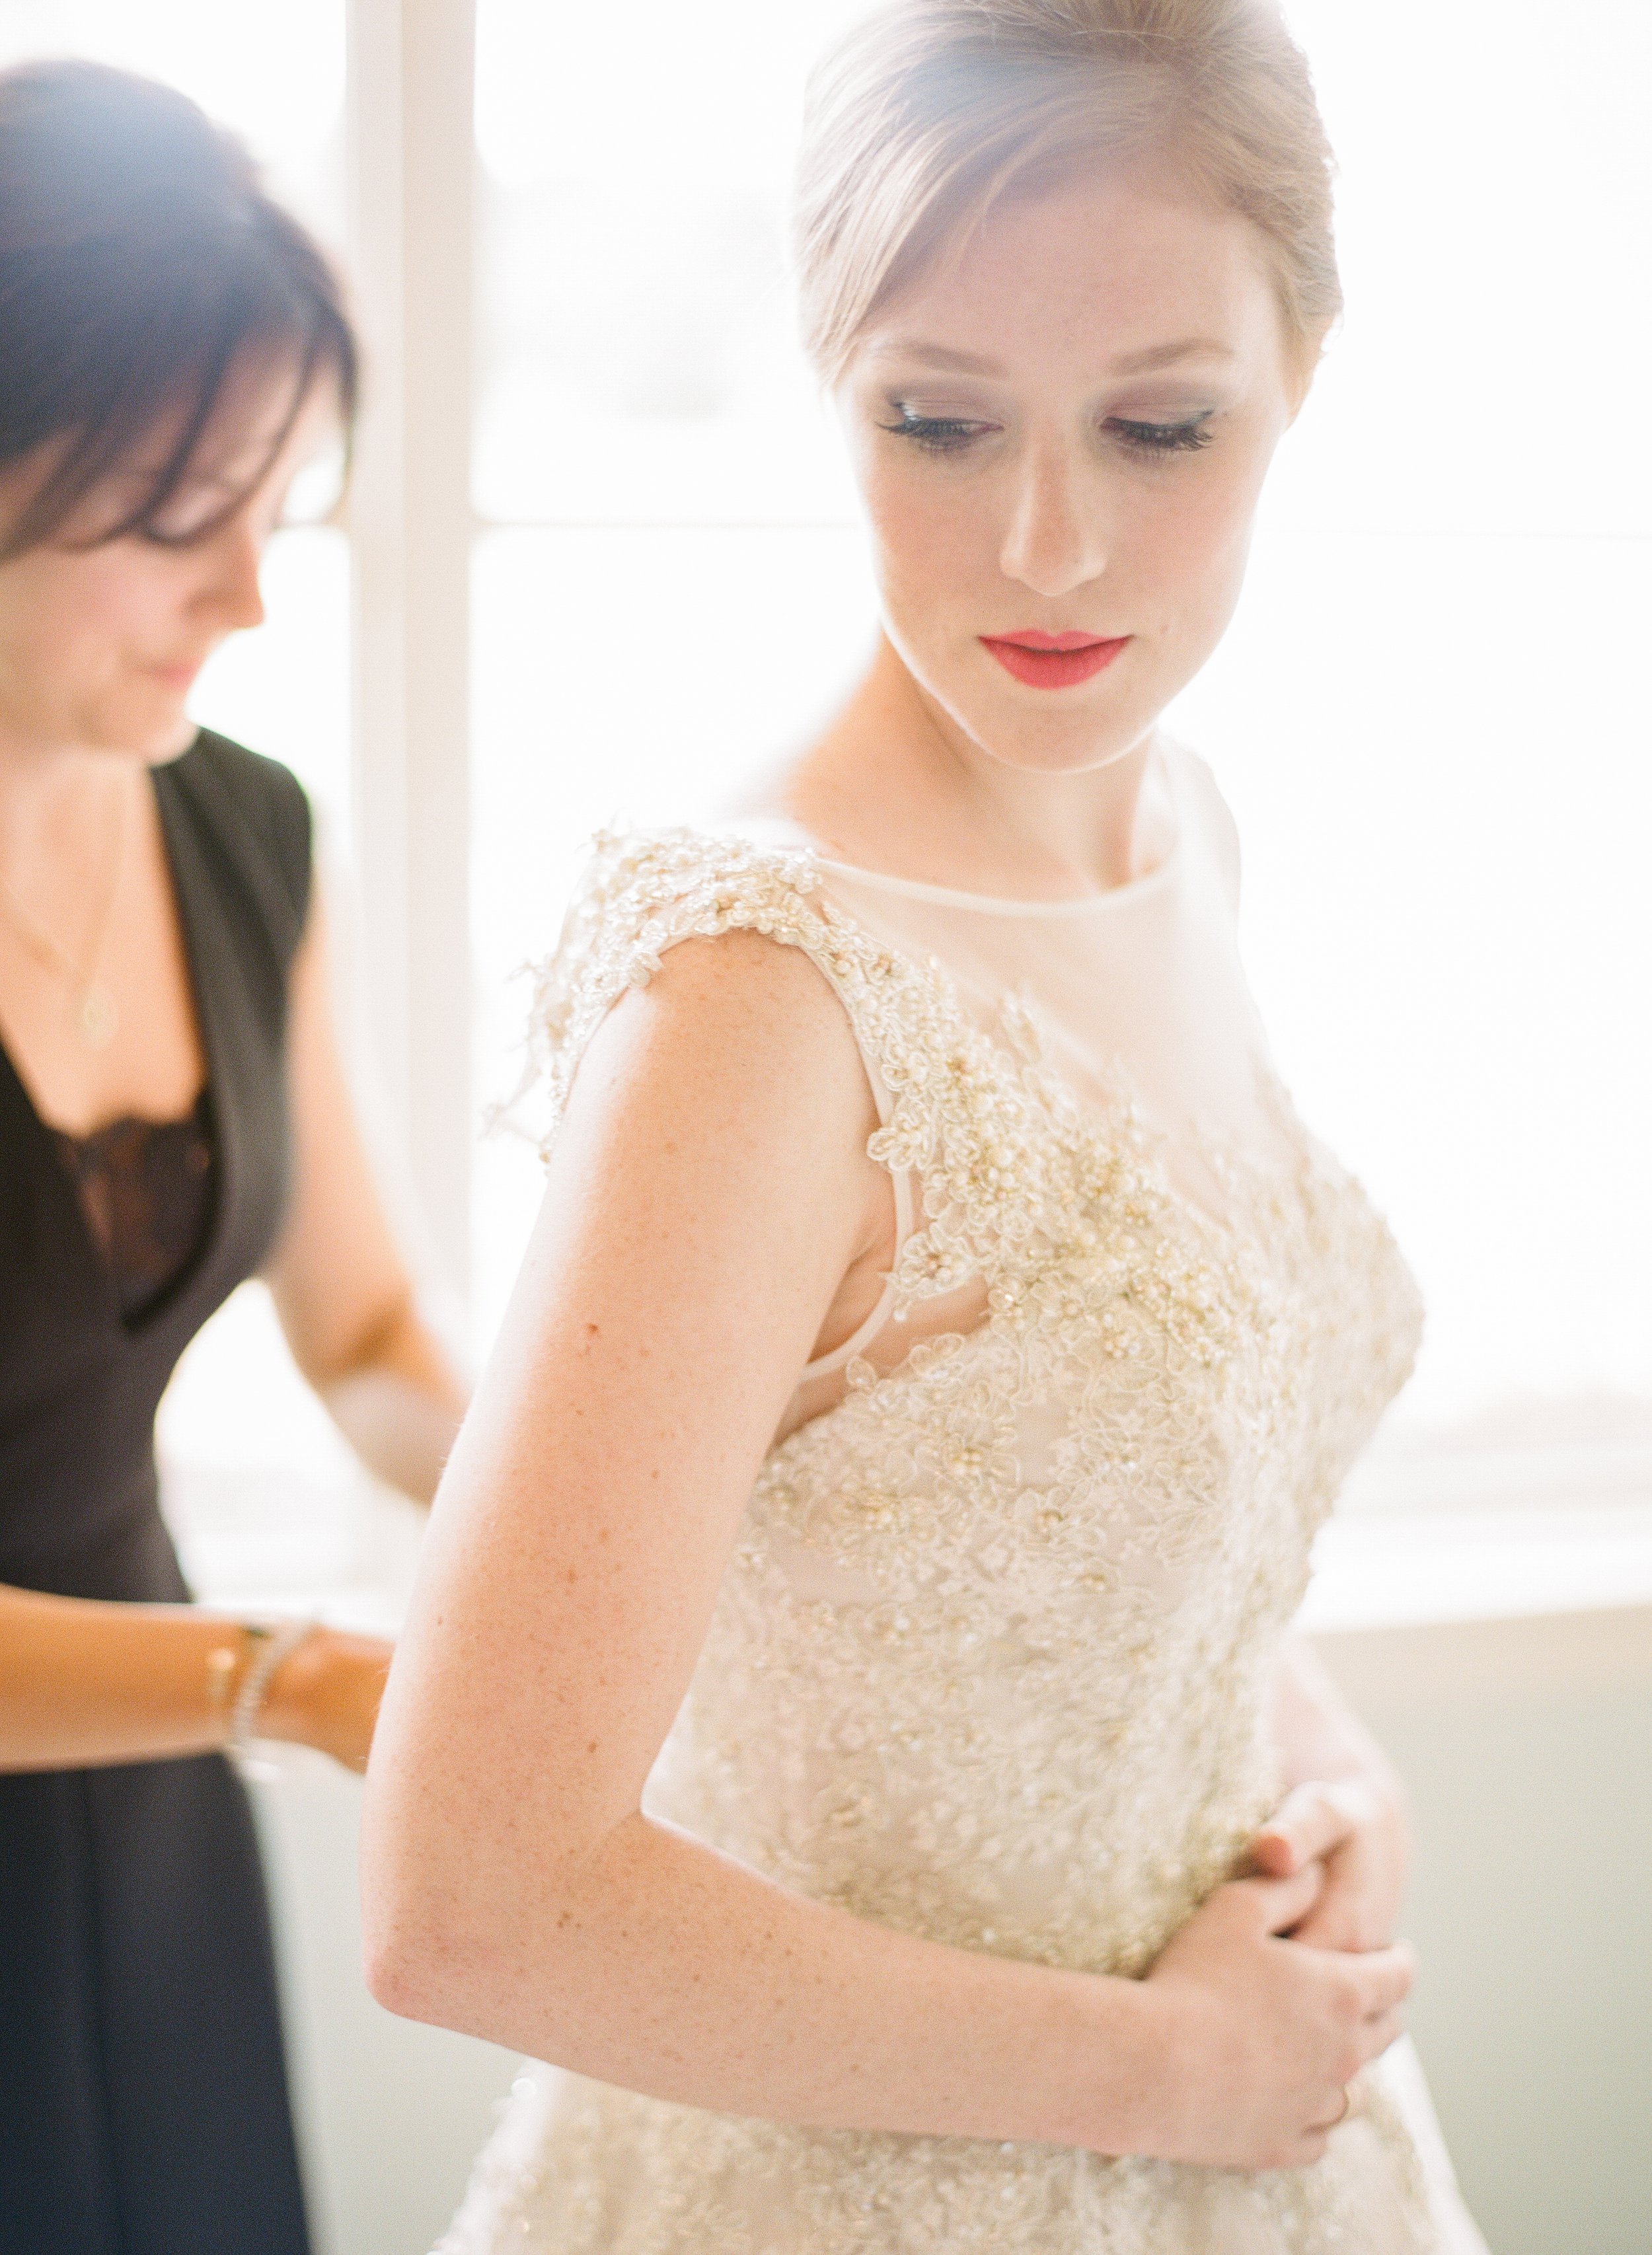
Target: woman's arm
{"points": [[708, 1191], [1344, 1808], [84, 1683], [341, 1287]]}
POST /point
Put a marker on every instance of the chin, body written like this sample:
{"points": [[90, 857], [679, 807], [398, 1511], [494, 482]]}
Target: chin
{"points": [[1072, 743], [153, 737], [1053, 731]]}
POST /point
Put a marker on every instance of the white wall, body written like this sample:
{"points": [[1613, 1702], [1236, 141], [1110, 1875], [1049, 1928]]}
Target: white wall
{"points": [[1528, 1748]]}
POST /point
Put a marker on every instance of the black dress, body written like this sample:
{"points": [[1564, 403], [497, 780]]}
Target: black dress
{"points": [[142, 2092]]}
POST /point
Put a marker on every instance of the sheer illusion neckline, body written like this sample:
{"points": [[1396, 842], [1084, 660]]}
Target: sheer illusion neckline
{"points": [[996, 904], [912, 888]]}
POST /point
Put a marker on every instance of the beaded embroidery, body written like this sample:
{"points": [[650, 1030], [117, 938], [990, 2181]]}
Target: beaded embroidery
{"points": [[991, 1658]]}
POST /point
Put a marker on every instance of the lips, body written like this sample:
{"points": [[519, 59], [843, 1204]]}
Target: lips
{"points": [[176, 677], [1053, 661]]}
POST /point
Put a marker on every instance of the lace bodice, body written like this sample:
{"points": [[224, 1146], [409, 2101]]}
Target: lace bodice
{"points": [[991, 1661]]}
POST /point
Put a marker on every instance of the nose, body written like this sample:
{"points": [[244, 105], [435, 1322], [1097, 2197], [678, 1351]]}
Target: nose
{"points": [[1054, 540], [232, 589]]}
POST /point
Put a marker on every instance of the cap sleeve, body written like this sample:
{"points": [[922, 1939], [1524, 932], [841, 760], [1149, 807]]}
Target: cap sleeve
{"points": [[955, 1112], [640, 896]]}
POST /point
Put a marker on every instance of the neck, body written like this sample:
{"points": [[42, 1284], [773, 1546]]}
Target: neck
{"points": [[896, 784], [55, 805]]}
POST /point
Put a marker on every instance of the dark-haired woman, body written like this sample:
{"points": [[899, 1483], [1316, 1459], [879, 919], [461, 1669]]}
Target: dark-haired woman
{"points": [[173, 1118]]}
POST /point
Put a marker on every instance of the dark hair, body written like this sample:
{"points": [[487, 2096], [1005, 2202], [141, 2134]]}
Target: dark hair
{"points": [[142, 264]]}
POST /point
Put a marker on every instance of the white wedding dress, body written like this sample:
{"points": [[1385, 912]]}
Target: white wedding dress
{"points": [[991, 1661]]}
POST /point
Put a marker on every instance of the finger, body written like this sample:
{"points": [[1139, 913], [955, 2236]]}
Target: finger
{"points": [[1302, 2151], [1332, 2109], [1309, 1822], [1381, 2030], [1280, 1903], [1338, 2106], [1344, 1917], [1382, 1977], [1273, 1854]]}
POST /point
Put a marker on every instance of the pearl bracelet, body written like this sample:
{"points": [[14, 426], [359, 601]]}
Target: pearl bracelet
{"points": [[272, 1645]]}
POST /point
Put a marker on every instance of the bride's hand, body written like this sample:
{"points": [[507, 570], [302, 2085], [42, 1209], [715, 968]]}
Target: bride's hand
{"points": [[1356, 1828], [1258, 2038]]}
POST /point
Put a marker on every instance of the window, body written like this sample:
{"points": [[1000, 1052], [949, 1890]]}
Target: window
{"points": [[1430, 715], [1431, 712]]}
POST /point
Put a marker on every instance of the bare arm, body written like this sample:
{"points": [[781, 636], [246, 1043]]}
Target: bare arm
{"points": [[84, 1683], [708, 1193], [341, 1287]]}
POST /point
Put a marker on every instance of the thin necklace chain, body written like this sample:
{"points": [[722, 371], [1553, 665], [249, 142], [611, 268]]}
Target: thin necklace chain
{"points": [[95, 1011]]}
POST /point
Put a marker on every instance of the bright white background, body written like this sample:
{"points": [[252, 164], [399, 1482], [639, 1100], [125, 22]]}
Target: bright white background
{"points": [[1431, 714], [1431, 717]]}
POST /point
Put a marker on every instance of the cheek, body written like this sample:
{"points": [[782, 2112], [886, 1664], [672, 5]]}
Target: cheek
{"points": [[73, 604], [121, 605], [1191, 553], [69, 626], [43, 629], [934, 538]]}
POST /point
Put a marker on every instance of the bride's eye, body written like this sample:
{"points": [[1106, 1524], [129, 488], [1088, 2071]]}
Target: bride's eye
{"points": [[1161, 437], [935, 434]]}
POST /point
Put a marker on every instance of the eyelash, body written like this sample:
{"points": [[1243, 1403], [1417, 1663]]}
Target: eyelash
{"points": [[1163, 437], [935, 434], [939, 434], [157, 538]]}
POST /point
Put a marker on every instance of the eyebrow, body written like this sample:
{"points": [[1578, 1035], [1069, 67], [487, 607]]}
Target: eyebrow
{"points": [[1156, 356], [949, 361], [938, 357]]}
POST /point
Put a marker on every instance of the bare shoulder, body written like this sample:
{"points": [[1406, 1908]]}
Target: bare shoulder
{"points": [[735, 1032], [715, 1133], [744, 983]]}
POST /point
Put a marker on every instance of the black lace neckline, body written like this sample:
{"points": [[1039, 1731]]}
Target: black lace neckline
{"points": [[147, 1188]]}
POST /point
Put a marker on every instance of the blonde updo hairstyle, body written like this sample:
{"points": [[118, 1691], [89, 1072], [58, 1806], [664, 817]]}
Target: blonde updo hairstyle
{"points": [[933, 111]]}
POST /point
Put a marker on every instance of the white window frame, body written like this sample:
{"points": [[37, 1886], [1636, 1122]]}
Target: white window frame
{"points": [[411, 138]]}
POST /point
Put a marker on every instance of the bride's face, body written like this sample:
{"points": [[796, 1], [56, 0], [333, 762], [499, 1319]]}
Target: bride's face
{"points": [[1063, 433]]}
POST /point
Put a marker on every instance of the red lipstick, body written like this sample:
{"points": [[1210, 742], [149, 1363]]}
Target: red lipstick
{"points": [[1052, 661], [176, 677]]}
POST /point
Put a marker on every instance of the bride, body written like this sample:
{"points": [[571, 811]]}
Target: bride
{"points": [[848, 1719]]}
